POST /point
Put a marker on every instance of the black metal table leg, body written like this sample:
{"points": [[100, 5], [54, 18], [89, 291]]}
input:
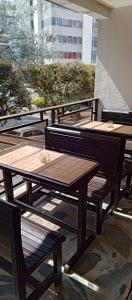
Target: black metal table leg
{"points": [[82, 242]]}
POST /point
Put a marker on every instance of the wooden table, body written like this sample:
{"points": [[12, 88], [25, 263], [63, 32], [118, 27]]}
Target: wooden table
{"points": [[64, 173], [115, 129]]}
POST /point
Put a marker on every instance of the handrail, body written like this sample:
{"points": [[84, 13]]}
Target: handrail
{"points": [[47, 109], [55, 110]]}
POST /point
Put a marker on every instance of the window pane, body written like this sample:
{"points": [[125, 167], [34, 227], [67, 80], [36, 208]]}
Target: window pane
{"points": [[74, 55], [65, 22], [60, 38], [64, 39], [64, 54], [69, 23], [79, 24], [79, 40], [59, 21], [70, 39], [74, 40], [78, 55], [53, 21], [74, 23], [69, 55]]}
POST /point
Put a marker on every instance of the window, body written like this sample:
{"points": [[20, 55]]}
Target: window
{"points": [[74, 40], [42, 24], [79, 40], [32, 24], [69, 39], [64, 39], [74, 55], [69, 55], [74, 23], [69, 23], [64, 22], [94, 43], [79, 23], [60, 54], [53, 21], [59, 21], [78, 55], [64, 54], [60, 39]]}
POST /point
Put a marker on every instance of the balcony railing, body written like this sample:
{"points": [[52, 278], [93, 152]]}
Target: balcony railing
{"points": [[15, 121]]}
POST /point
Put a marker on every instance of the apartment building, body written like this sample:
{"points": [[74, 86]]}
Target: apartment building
{"points": [[75, 34]]}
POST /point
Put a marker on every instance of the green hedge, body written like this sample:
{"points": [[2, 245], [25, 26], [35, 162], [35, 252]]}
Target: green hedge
{"points": [[61, 83]]}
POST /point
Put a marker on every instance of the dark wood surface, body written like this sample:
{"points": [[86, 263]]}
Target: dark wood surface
{"points": [[63, 168], [63, 173], [23, 247], [117, 129]]}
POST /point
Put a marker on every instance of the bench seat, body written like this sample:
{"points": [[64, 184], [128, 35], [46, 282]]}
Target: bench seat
{"points": [[37, 242]]}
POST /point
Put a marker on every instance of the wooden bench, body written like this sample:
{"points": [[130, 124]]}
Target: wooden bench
{"points": [[108, 151], [24, 245]]}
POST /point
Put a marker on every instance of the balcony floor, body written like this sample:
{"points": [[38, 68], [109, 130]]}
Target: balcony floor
{"points": [[105, 269]]}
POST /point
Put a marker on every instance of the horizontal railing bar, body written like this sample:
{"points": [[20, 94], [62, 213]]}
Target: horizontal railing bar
{"points": [[22, 125], [55, 107], [74, 112]]}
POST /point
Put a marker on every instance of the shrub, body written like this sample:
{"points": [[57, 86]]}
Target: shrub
{"points": [[61, 83], [39, 101]]}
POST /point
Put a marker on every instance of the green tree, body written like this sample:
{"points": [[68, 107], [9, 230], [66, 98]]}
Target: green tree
{"points": [[18, 42], [61, 83], [13, 91]]}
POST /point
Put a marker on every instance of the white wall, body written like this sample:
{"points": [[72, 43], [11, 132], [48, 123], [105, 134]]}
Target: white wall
{"points": [[87, 39], [114, 60]]}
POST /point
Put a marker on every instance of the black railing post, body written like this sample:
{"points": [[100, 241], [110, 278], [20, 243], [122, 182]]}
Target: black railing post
{"points": [[52, 116], [41, 116], [95, 109]]}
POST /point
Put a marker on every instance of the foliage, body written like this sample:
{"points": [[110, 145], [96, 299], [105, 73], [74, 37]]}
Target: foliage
{"points": [[61, 83], [39, 101], [13, 92], [19, 42]]}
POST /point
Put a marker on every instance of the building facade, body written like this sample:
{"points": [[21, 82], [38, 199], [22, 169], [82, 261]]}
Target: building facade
{"points": [[73, 36]]}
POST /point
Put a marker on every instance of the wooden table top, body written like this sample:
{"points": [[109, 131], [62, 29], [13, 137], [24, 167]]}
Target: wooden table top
{"points": [[120, 129], [54, 165]]}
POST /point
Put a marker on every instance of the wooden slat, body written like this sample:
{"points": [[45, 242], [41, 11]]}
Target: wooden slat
{"points": [[108, 127], [18, 154], [92, 124], [68, 169], [63, 168], [125, 129], [33, 162]]}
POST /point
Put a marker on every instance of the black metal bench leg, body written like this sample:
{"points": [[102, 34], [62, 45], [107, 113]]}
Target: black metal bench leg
{"points": [[128, 185], [20, 288], [99, 218], [29, 190], [57, 259]]}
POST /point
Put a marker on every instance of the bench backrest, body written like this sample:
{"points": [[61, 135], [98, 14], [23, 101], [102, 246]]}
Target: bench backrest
{"points": [[106, 150], [117, 117], [10, 236]]}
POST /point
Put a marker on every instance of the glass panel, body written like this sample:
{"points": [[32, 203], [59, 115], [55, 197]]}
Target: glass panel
{"points": [[59, 21], [79, 40], [64, 39], [69, 23], [70, 39], [53, 21], [65, 22], [74, 40]]}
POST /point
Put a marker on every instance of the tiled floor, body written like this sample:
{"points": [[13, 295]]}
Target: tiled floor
{"points": [[105, 269]]}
